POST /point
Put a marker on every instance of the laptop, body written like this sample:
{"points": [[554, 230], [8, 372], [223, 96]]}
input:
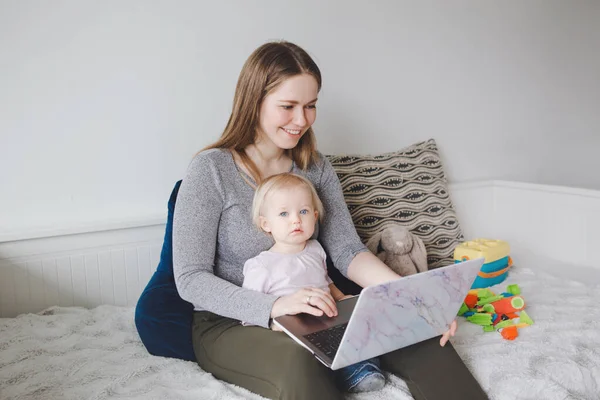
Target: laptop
{"points": [[385, 317]]}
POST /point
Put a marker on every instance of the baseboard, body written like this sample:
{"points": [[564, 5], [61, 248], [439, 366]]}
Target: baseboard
{"points": [[111, 264]]}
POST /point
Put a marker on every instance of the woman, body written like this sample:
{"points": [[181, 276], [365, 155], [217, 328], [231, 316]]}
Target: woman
{"points": [[269, 132]]}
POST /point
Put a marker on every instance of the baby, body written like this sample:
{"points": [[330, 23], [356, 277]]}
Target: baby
{"points": [[287, 207]]}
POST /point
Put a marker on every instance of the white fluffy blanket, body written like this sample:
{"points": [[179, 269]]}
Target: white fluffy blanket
{"points": [[74, 353]]}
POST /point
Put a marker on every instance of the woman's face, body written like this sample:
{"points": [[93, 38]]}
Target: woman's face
{"points": [[288, 111]]}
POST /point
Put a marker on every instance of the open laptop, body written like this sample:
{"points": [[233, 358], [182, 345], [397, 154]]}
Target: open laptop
{"points": [[385, 317]]}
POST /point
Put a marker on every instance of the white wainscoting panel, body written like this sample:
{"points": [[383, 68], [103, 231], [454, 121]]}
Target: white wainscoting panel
{"points": [[112, 266], [538, 221], [474, 206], [555, 222], [87, 270]]}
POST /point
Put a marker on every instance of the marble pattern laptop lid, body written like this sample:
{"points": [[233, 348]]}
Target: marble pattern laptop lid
{"points": [[406, 311]]}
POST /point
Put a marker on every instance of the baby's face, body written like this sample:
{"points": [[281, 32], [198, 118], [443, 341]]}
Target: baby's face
{"points": [[290, 215]]}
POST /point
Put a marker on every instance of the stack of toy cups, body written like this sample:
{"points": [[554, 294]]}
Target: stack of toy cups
{"points": [[497, 260]]}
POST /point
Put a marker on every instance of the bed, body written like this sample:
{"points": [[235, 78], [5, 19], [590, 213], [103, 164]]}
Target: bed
{"points": [[71, 352], [78, 353]]}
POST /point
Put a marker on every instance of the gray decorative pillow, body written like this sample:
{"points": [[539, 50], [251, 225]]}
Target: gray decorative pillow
{"points": [[406, 187]]}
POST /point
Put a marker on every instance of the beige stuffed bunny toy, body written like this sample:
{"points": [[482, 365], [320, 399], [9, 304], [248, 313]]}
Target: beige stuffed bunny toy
{"points": [[400, 250]]}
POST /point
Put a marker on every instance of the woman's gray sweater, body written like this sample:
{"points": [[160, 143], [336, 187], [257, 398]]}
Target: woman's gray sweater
{"points": [[213, 234]]}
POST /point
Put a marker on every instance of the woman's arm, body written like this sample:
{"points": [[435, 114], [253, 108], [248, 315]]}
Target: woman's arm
{"points": [[195, 228], [338, 235], [368, 270]]}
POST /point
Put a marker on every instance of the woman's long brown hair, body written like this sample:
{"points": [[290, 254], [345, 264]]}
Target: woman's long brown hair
{"points": [[266, 68]]}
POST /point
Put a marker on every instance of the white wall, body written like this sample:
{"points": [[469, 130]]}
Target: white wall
{"points": [[103, 103]]}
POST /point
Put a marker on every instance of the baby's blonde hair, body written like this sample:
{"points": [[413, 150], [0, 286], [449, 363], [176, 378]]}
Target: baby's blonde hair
{"points": [[285, 180]]}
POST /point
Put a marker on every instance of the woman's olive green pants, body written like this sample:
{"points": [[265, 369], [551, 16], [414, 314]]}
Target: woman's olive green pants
{"points": [[275, 366]]}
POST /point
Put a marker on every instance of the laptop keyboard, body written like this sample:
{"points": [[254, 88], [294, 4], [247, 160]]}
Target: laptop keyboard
{"points": [[328, 340]]}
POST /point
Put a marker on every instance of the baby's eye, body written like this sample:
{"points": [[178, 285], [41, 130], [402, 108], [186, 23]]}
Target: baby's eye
{"points": [[283, 214], [312, 106], [287, 107], [304, 212]]}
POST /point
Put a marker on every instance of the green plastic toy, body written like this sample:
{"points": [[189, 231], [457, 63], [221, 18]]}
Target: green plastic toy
{"points": [[503, 313]]}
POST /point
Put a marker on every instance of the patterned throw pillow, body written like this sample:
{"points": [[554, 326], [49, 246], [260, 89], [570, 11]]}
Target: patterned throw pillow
{"points": [[406, 187]]}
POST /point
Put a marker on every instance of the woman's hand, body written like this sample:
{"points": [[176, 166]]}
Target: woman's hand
{"points": [[312, 301], [449, 333]]}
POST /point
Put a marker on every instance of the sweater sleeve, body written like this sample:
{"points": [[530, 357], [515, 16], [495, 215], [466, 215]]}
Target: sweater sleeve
{"points": [[337, 232], [195, 228]]}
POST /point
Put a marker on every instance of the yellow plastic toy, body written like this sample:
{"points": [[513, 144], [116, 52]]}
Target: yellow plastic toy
{"points": [[497, 260]]}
